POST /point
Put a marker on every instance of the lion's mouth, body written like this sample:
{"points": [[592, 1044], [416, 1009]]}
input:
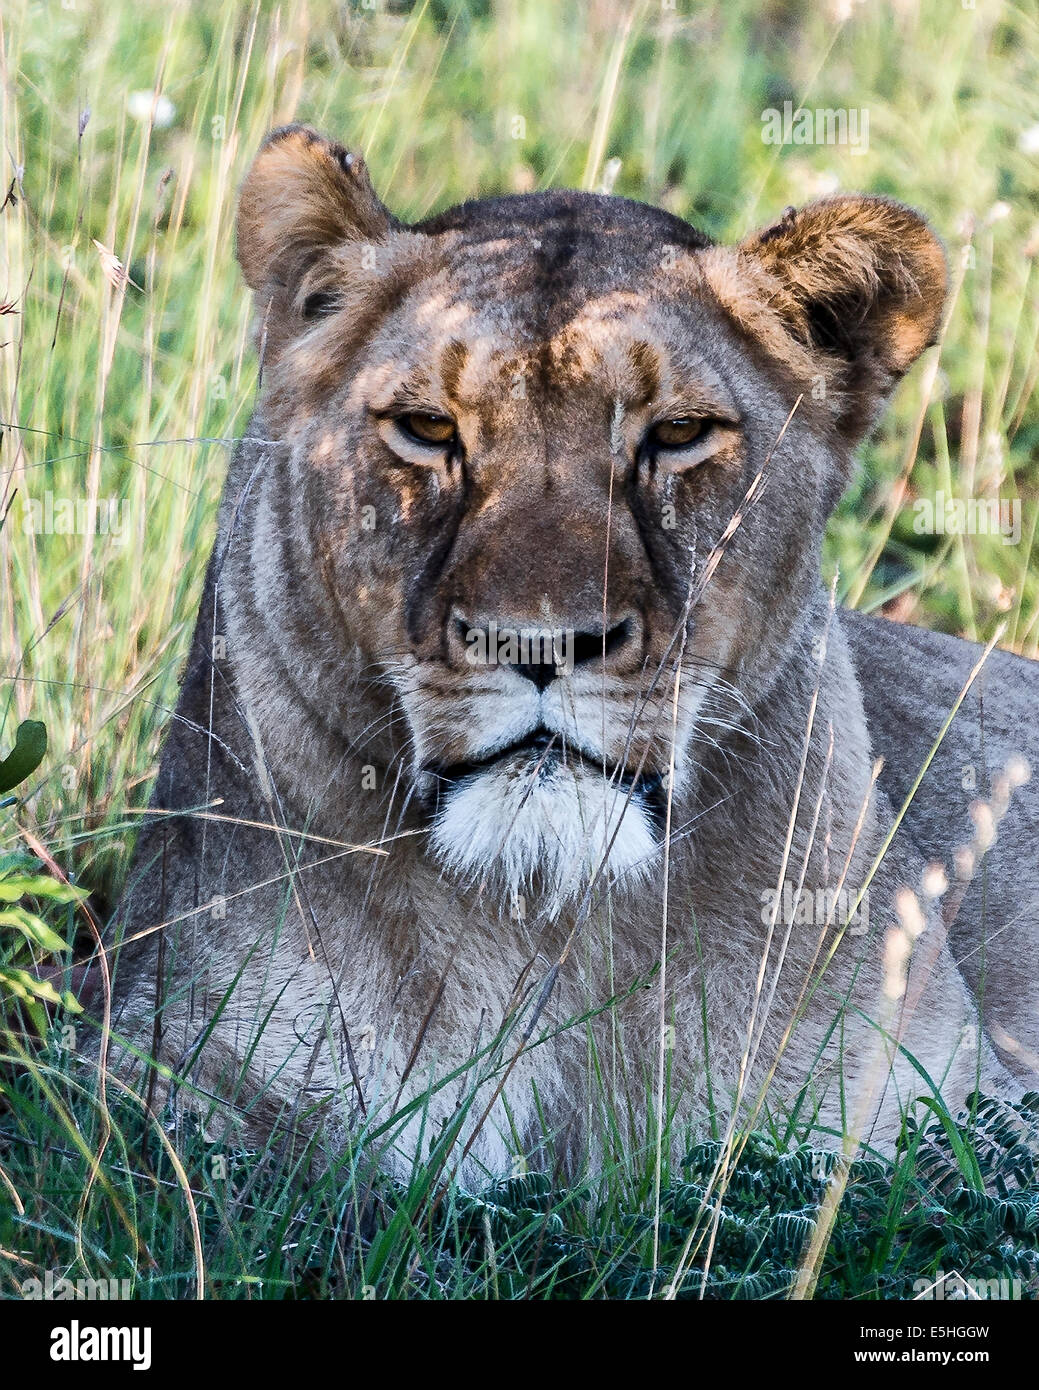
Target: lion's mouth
{"points": [[540, 754], [543, 817]]}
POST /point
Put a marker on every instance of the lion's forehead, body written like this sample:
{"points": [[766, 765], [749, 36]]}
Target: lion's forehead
{"points": [[489, 330]]}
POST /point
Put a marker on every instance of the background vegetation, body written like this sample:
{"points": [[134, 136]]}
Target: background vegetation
{"points": [[126, 372]]}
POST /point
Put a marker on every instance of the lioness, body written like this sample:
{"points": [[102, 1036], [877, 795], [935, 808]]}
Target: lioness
{"points": [[525, 767]]}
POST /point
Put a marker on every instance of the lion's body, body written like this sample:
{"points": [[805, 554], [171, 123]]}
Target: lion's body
{"points": [[328, 704]]}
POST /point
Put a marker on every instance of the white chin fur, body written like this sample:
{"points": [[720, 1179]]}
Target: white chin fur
{"points": [[548, 837]]}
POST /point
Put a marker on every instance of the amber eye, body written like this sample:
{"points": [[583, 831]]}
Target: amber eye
{"points": [[428, 429], [675, 434]]}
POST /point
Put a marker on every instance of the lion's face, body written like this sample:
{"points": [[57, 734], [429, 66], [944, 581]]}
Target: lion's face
{"points": [[544, 457]]}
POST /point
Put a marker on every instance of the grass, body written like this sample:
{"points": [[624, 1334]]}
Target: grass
{"points": [[187, 1216], [126, 372]]}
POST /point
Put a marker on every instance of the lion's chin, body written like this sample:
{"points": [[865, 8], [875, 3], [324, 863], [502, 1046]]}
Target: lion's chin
{"points": [[542, 835]]}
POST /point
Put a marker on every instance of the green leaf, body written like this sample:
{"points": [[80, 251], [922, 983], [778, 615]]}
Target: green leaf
{"points": [[16, 886], [30, 746], [32, 990], [34, 928]]}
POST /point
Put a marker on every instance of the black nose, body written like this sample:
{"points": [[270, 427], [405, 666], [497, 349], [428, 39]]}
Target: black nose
{"points": [[538, 654], [595, 646], [573, 649], [541, 673]]}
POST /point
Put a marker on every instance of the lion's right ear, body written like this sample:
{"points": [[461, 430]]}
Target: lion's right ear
{"points": [[304, 197]]}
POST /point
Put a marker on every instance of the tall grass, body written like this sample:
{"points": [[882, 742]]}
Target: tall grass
{"points": [[126, 372]]}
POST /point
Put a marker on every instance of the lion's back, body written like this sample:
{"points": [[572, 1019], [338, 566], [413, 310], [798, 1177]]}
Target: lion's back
{"points": [[911, 680]]}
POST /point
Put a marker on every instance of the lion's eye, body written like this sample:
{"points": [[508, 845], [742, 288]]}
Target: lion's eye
{"points": [[677, 433], [428, 429], [320, 304]]}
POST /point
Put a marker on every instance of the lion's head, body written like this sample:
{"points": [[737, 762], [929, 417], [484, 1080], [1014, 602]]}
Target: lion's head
{"points": [[545, 452]]}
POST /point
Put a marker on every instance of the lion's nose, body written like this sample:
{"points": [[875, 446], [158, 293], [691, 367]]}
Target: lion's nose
{"points": [[540, 654]]}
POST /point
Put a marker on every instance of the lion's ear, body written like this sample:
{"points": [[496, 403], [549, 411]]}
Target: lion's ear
{"points": [[303, 197], [859, 282]]}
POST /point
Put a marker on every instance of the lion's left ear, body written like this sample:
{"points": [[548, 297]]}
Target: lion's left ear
{"points": [[858, 282]]}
